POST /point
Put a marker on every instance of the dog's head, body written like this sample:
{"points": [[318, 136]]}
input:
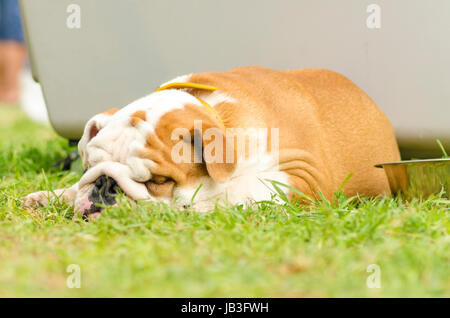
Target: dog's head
{"points": [[153, 149]]}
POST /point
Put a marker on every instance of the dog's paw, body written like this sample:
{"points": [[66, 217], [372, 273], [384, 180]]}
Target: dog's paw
{"points": [[35, 200]]}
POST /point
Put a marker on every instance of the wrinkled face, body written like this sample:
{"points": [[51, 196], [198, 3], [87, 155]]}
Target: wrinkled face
{"points": [[137, 150]]}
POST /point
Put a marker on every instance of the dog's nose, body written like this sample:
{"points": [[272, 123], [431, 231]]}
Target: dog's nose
{"points": [[105, 191]]}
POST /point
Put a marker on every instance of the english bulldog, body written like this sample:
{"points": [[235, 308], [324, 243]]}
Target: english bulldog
{"points": [[312, 127]]}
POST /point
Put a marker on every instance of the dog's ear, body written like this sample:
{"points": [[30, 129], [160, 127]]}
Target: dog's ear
{"points": [[92, 128], [218, 154], [207, 137], [216, 151]]}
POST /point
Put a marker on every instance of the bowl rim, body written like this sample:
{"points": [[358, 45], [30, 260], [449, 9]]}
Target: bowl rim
{"points": [[380, 165]]}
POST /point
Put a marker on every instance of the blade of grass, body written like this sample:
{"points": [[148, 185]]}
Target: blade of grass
{"points": [[445, 155], [195, 193]]}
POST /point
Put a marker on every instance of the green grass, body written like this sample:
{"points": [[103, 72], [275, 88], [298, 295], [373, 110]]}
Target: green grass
{"points": [[149, 250]]}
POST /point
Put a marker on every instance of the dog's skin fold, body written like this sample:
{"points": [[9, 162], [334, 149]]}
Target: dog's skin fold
{"points": [[327, 127]]}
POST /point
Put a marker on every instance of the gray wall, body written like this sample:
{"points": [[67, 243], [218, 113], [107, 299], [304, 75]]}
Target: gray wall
{"points": [[124, 49]]}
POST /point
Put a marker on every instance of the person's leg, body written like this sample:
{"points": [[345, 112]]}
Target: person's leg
{"points": [[12, 59], [12, 51]]}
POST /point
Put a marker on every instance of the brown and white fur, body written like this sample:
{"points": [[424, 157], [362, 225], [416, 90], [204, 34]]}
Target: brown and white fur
{"points": [[328, 128]]}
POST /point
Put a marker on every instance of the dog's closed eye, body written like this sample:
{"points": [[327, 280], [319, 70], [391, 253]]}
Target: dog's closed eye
{"points": [[159, 179], [160, 186]]}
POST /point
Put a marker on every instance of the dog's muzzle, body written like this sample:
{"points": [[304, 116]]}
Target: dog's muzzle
{"points": [[105, 181], [104, 193], [121, 174]]}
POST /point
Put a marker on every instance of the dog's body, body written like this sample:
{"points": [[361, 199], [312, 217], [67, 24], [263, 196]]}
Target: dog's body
{"points": [[327, 127]]}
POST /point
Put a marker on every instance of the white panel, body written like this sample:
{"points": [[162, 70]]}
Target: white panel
{"points": [[124, 49]]}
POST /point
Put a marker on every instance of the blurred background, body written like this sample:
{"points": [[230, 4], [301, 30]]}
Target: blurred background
{"points": [[100, 54], [17, 88]]}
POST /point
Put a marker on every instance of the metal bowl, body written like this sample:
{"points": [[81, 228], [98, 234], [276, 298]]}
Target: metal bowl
{"points": [[418, 178]]}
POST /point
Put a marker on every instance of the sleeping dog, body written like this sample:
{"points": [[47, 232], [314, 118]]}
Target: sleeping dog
{"points": [[188, 143]]}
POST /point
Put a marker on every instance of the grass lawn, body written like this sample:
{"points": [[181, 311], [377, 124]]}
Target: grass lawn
{"points": [[149, 250]]}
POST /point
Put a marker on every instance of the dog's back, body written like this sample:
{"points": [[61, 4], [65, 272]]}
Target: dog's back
{"points": [[328, 126], [359, 133]]}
